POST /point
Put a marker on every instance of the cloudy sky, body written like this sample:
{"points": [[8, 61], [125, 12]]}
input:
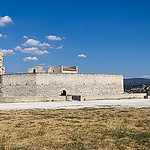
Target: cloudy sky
{"points": [[99, 36]]}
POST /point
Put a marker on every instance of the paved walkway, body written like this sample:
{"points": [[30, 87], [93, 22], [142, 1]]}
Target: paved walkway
{"points": [[137, 103]]}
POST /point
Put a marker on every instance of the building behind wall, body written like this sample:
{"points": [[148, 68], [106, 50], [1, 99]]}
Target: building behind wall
{"points": [[36, 69], [62, 69], [54, 69]]}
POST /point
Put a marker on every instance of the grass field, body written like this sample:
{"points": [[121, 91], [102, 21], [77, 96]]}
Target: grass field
{"points": [[88, 128]]}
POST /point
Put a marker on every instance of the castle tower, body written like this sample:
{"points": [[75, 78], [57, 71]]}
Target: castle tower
{"points": [[2, 68]]}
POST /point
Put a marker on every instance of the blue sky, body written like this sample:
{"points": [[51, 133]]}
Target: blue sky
{"points": [[110, 36]]}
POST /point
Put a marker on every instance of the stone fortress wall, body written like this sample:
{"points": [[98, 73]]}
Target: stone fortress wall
{"points": [[50, 86], [19, 85], [86, 85]]}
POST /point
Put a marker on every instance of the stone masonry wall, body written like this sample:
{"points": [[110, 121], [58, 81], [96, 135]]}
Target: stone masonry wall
{"points": [[36, 69], [87, 85], [50, 85], [55, 69], [19, 85]]}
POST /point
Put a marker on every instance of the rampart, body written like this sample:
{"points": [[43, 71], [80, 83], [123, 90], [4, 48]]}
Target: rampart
{"points": [[49, 86]]}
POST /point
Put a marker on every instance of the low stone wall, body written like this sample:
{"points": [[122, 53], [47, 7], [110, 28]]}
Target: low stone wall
{"points": [[121, 96], [69, 98]]}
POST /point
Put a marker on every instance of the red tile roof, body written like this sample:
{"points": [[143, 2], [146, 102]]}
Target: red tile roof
{"points": [[68, 69]]}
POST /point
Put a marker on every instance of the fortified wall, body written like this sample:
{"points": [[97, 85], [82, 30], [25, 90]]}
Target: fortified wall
{"points": [[51, 86]]}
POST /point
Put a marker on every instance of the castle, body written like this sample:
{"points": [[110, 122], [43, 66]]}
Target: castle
{"points": [[59, 83]]}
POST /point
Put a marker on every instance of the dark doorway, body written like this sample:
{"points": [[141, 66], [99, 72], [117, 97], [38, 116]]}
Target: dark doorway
{"points": [[76, 97], [63, 93], [33, 70]]}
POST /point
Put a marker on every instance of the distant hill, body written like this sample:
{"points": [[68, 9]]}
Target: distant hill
{"points": [[137, 81]]}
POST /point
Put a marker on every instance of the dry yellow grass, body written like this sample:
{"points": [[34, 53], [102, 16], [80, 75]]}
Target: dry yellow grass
{"points": [[88, 128]]}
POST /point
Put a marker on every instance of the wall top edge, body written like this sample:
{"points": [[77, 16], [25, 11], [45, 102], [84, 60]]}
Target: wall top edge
{"points": [[61, 74]]}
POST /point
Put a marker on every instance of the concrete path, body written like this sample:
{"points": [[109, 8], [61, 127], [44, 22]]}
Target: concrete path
{"points": [[137, 103]]}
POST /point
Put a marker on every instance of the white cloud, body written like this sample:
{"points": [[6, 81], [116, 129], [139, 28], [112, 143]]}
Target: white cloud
{"points": [[5, 20], [34, 50], [30, 58], [25, 37], [44, 45], [7, 51], [18, 48], [59, 47], [53, 38], [82, 55], [32, 42], [1, 35]]}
